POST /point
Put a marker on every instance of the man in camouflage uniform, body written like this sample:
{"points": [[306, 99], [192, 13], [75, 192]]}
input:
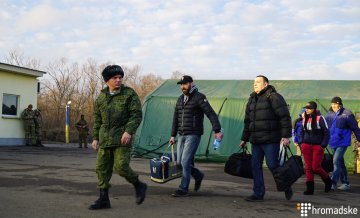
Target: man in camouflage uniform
{"points": [[38, 127], [117, 115], [29, 125], [83, 130]]}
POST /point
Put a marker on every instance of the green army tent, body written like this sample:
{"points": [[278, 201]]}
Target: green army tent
{"points": [[228, 99]]}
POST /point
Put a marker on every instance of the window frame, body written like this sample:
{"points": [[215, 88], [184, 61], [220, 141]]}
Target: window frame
{"points": [[17, 100]]}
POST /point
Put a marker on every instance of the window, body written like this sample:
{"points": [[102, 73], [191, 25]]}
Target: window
{"points": [[10, 104]]}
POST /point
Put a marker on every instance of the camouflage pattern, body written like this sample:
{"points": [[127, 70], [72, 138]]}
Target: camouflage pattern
{"points": [[115, 114], [117, 158], [38, 126], [29, 125], [83, 130]]}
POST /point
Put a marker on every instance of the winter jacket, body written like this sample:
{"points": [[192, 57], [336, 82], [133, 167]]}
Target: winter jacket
{"points": [[317, 136], [267, 118], [115, 114], [341, 124], [188, 117], [297, 131]]}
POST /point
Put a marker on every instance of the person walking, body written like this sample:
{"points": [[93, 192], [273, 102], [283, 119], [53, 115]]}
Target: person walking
{"points": [[314, 139], [298, 125], [341, 123], [83, 130], [188, 125], [267, 124], [29, 125], [117, 115]]}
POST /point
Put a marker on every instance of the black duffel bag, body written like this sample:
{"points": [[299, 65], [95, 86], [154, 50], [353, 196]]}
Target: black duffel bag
{"points": [[327, 163], [239, 164], [289, 172]]}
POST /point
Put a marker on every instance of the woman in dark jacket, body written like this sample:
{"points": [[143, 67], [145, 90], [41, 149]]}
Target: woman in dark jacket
{"points": [[314, 139]]}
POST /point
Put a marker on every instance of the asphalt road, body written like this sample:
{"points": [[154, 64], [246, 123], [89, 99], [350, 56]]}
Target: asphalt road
{"points": [[60, 181]]}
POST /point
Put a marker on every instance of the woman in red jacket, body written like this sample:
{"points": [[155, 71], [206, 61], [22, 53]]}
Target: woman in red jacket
{"points": [[314, 139]]}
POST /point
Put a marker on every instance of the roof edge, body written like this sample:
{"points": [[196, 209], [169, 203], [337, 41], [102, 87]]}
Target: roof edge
{"points": [[21, 70]]}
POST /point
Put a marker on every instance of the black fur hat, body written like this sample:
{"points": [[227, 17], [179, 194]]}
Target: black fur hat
{"points": [[112, 70]]}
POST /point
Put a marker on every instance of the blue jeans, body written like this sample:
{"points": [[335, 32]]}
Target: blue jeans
{"points": [[271, 153], [339, 167], [186, 149]]}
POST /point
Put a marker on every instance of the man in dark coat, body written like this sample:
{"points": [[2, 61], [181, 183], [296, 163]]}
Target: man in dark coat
{"points": [[267, 124], [188, 125]]}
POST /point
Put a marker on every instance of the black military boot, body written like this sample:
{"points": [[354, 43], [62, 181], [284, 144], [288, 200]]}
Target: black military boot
{"points": [[328, 183], [140, 189], [309, 188], [102, 202]]}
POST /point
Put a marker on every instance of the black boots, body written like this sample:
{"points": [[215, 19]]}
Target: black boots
{"points": [[140, 189], [309, 188], [328, 184], [103, 202]]}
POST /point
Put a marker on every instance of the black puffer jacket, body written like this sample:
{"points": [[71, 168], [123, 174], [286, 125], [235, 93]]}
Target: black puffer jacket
{"points": [[267, 118], [189, 117]]}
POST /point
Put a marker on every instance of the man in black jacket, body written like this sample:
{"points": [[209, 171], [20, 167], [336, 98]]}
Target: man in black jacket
{"points": [[188, 124], [267, 124]]}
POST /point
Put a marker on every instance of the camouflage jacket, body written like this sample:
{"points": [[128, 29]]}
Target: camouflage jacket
{"points": [[28, 116], [37, 118], [81, 126], [116, 114]]}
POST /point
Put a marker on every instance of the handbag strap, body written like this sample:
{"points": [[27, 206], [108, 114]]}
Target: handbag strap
{"points": [[282, 154], [244, 150], [172, 152], [298, 164], [328, 151]]}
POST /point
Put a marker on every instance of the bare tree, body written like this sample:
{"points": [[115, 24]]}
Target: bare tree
{"points": [[16, 57], [176, 75], [147, 84], [67, 80]]}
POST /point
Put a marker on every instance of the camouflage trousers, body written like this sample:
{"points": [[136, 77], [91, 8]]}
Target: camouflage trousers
{"points": [[30, 136], [83, 139], [117, 158], [38, 134]]}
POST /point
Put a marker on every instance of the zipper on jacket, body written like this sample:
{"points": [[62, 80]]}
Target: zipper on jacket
{"points": [[182, 118]]}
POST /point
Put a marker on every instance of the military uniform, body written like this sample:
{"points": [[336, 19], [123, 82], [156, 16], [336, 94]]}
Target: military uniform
{"points": [[29, 125], [83, 130], [115, 114], [38, 126]]}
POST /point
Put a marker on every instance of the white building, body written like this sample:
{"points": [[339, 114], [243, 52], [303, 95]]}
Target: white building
{"points": [[18, 88]]}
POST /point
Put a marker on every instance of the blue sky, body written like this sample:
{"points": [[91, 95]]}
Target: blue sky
{"points": [[208, 39]]}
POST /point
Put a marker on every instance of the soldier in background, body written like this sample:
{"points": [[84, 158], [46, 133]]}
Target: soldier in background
{"points": [[82, 128], [29, 125], [38, 127]]}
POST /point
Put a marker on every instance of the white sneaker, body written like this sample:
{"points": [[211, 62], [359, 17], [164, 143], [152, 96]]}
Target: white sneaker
{"points": [[344, 187]]}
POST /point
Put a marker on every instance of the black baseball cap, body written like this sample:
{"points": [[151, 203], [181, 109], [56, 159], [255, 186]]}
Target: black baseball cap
{"points": [[311, 105], [185, 79], [337, 100]]}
